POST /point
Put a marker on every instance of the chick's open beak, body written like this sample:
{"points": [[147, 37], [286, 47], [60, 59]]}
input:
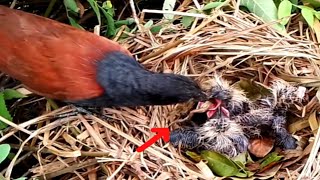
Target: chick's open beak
{"points": [[214, 107]]}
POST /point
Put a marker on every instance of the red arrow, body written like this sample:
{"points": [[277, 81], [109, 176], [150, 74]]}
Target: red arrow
{"points": [[161, 132]]}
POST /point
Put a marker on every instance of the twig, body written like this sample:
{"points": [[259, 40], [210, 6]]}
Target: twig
{"points": [[70, 169], [134, 14], [176, 43], [13, 4], [175, 13]]}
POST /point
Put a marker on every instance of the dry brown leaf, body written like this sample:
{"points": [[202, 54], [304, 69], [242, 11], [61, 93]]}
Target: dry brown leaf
{"points": [[206, 171], [305, 152], [292, 153], [298, 125], [51, 167], [269, 171], [95, 135], [253, 166], [260, 147], [58, 152], [313, 122], [71, 140]]}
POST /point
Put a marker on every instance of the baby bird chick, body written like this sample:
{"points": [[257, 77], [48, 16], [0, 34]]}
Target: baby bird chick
{"points": [[247, 119]]}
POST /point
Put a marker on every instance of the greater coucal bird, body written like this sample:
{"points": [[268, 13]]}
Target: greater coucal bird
{"points": [[61, 62]]}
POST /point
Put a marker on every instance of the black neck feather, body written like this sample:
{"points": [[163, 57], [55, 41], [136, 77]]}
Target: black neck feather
{"points": [[127, 83]]}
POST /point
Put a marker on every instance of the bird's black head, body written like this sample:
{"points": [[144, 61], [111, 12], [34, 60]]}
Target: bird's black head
{"points": [[127, 83]]}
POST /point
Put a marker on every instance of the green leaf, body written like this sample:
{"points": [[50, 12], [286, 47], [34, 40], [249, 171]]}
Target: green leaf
{"points": [[270, 158], [95, 8], [277, 2], [148, 24], [168, 5], [317, 14], [314, 3], [211, 5], [307, 14], [71, 5], [107, 5], [12, 94], [4, 112], [111, 31], [266, 10], [156, 29], [196, 157], [4, 151], [220, 164], [127, 22], [241, 159], [11, 156], [188, 20], [74, 22], [284, 11], [294, 2]]}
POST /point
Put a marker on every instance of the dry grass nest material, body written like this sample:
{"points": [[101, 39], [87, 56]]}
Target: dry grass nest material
{"points": [[234, 43]]}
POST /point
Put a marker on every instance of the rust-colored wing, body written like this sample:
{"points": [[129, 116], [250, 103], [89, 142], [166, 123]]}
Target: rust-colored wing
{"points": [[50, 58]]}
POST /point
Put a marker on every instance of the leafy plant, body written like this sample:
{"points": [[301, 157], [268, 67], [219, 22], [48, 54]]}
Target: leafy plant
{"points": [[266, 10], [72, 8], [5, 95], [206, 9], [284, 10], [104, 9]]}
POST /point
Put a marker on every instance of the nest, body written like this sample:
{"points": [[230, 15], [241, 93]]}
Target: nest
{"points": [[234, 43]]}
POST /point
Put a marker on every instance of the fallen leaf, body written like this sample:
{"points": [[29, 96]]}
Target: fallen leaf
{"points": [[298, 125], [220, 164], [261, 147], [268, 167], [291, 153], [272, 158], [305, 152], [206, 171], [253, 166], [313, 122], [269, 173], [196, 157]]}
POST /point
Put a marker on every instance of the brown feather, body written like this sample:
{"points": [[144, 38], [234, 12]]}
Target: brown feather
{"points": [[50, 58]]}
